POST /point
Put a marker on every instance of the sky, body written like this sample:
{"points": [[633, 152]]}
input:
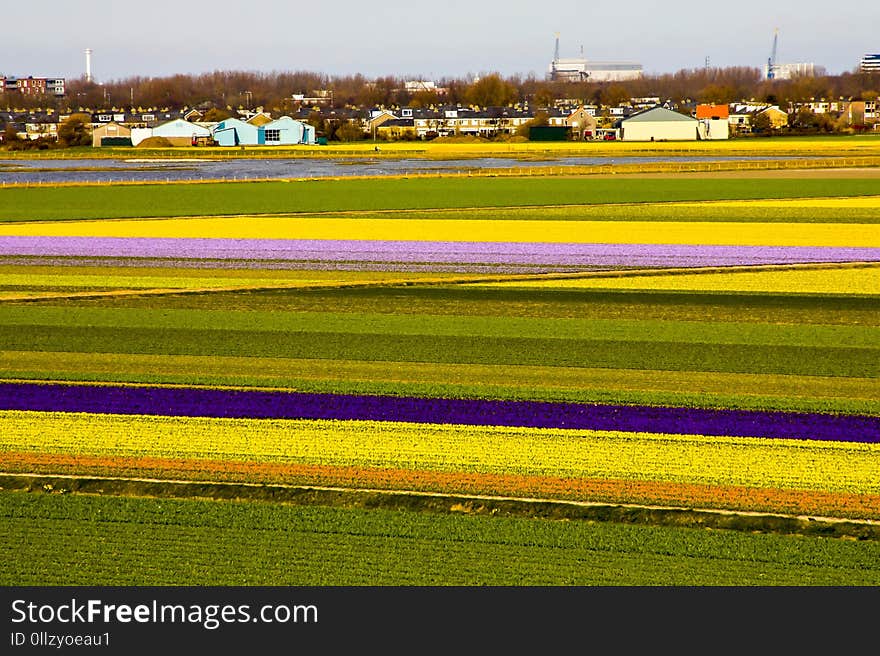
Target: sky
{"points": [[420, 40]]}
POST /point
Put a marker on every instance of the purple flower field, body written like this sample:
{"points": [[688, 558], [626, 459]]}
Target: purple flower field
{"points": [[427, 252], [205, 402]]}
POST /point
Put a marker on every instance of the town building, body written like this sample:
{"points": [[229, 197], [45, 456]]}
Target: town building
{"points": [[714, 121], [111, 134], [33, 86], [583, 123], [863, 112], [870, 63], [742, 116]]}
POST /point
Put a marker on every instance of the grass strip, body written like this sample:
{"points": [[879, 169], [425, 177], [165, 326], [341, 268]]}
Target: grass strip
{"points": [[100, 202], [512, 302], [435, 379], [178, 542], [646, 330], [844, 210], [843, 361]]}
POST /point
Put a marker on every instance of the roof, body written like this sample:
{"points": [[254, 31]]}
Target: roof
{"points": [[281, 122], [399, 123], [260, 119], [713, 111], [658, 115]]}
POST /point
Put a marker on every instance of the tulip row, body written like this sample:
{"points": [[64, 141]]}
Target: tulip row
{"points": [[264, 404], [827, 280], [658, 492], [836, 235], [845, 467], [256, 252]]}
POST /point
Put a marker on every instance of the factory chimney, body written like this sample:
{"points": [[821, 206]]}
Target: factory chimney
{"points": [[88, 64]]}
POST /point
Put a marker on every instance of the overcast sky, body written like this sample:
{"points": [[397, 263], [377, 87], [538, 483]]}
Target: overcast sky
{"points": [[416, 39]]}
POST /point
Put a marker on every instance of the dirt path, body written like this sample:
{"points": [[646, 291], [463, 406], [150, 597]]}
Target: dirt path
{"points": [[471, 504]]}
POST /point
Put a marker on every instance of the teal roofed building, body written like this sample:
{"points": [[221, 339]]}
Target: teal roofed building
{"points": [[288, 131], [235, 132], [283, 131]]}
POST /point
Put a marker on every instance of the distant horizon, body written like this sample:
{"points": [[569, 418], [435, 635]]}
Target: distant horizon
{"points": [[417, 41]]}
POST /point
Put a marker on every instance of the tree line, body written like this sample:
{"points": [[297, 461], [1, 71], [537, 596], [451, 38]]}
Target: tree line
{"points": [[275, 91]]}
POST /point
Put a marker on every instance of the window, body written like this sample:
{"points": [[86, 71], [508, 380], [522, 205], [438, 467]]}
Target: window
{"points": [[273, 135]]}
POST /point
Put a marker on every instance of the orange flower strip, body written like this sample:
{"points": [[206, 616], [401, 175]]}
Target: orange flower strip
{"points": [[729, 497]]}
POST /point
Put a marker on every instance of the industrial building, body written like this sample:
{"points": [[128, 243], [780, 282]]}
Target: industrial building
{"points": [[584, 70], [773, 70], [790, 71]]}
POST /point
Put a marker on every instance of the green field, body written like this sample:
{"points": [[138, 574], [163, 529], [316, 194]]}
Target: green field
{"points": [[160, 200], [537, 303], [628, 354], [85, 540], [772, 352]]}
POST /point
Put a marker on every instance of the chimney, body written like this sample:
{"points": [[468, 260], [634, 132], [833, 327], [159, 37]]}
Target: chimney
{"points": [[88, 64]]}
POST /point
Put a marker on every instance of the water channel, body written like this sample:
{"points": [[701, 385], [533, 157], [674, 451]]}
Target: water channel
{"points": [[47, 171]]}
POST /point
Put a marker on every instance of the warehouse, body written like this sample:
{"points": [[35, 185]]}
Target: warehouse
{"points": [[180, 132], [659, 124]]}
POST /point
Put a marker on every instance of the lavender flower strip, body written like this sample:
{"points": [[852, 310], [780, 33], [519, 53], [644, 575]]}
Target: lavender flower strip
{"points": [[432, 251], [202, 402]]}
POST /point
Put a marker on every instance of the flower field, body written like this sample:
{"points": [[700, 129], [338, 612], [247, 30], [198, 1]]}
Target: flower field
{"points": [[659, 352]]}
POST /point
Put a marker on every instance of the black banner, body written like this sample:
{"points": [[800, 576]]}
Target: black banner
{"points": [[415, 620]]}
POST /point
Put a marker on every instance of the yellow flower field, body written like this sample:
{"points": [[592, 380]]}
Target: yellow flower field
{"points": [[486, 230], [749, 462], [843, 280], [833, 203]]}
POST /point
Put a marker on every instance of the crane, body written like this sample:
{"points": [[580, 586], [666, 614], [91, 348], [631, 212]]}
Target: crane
{"points": [[771, 61]]}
